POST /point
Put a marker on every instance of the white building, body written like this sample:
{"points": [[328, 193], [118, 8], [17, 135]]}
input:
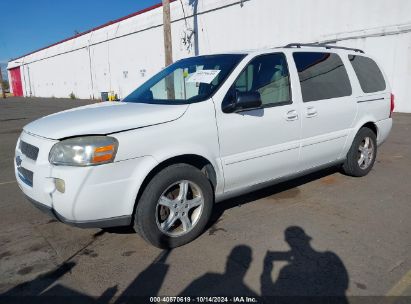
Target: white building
{"points": [[120, 55]]}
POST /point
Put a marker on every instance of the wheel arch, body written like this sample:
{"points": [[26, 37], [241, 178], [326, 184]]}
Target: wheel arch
{"points": [[367, 122], [370, 125], [198, 161]]}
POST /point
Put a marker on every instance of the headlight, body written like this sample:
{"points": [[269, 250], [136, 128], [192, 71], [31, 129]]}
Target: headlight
{"points": [[84, 151]]}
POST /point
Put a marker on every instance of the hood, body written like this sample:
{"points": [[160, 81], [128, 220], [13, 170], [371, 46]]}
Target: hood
{"points": [[103, 118]]}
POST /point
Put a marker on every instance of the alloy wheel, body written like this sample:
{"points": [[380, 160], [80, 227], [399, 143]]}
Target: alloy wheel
{"points": [[179, 208]]}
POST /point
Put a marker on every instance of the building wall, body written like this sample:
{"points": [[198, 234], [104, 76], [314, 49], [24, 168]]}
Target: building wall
{"points": [[122, 55]]}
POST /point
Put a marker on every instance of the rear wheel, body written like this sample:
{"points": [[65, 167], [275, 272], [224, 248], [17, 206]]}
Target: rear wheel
{"points": [[174, 207], [362, 154]]}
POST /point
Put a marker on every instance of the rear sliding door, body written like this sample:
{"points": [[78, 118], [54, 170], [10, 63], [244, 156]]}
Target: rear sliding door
{"points": [[328, 108]]}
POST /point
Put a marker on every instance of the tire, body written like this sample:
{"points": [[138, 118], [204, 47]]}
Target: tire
{"points": [[353, 166], [176, 197]]}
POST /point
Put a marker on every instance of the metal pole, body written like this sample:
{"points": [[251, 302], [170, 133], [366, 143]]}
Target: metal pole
{"points": [[28, 75], [24, 79]]}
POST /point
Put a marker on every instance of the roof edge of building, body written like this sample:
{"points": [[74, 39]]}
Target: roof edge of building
{"points": [[145, 10]]}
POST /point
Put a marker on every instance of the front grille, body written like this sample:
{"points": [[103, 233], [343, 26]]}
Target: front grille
{"points": [[26, 176], [29, 150]]}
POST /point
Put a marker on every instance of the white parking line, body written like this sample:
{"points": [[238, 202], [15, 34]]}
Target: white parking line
{"points": [[5, 183]]}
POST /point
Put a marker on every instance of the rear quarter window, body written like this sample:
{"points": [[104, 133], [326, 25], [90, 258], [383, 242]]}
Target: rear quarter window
{"points": [[322, 76], [368, 73]]}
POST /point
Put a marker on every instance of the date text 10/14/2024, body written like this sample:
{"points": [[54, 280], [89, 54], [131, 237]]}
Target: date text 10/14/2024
{"points": [[203, 299]]}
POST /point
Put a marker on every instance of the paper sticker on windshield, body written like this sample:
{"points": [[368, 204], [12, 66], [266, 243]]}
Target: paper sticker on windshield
{"points": [[203, 76]]}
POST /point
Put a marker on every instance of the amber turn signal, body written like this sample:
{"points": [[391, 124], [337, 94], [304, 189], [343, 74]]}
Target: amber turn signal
{"points": [[103, 154]]}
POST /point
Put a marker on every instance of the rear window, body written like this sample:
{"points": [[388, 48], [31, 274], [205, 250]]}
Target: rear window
{"points": [[368, 74], [322, 76]]}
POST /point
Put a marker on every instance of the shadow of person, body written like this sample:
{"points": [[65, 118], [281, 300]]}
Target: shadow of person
{"points": [[309, 273], [230, 283], [148, 282]]}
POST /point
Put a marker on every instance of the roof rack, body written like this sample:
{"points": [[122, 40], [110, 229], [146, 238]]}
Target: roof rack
{"points": [[327, 46]]}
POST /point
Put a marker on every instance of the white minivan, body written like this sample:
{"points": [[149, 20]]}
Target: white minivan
{"points": [[202, 130]]}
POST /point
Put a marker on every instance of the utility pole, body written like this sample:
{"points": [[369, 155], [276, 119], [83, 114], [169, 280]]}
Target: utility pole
{"points": [[168, 48], [3, 93]]}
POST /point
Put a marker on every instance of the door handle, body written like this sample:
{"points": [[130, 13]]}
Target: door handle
{"points": [[291, 115], [311, 112]]}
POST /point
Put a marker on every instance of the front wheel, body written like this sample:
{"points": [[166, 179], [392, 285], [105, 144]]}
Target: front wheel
{"points": [[174, 207], [362, 154]]}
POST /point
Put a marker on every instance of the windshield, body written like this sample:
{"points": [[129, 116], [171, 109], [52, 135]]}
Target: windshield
{"points": [[186, 81]]}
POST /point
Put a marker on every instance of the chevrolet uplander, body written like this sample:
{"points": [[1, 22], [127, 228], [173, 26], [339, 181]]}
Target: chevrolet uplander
{"points": [[202, 130]]}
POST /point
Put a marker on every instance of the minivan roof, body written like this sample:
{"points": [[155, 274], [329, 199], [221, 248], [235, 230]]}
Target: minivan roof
{"points": [[321, 45], [300, 46]]}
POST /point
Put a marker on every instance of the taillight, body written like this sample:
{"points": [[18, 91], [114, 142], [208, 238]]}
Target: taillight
{"points": [[392, 106]]}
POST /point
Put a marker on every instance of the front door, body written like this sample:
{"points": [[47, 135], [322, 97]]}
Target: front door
{"points": [[261, 144]]}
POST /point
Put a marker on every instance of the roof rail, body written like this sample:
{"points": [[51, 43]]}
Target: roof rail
{"points": [[327, 46]]}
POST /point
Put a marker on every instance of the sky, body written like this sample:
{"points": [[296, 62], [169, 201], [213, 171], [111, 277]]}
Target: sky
{"points": [[27, 25]]}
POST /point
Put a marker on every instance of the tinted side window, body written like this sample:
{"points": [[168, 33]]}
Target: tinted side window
{"points": [[268, 75], [368, 73], [322, 76]]}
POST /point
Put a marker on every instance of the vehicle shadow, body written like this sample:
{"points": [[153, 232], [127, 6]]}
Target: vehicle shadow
{"points": [[120, 230], [223, 206]]}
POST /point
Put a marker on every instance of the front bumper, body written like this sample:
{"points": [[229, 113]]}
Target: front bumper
{"points": [[96, 196], [101, 223]]}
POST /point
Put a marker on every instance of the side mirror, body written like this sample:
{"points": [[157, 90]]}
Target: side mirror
{"points": [[236, 101], [147, 95], [247, 101]]}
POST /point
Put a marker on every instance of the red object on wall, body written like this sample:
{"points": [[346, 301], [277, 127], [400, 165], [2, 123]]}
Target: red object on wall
{"points": [[16, 84]]}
